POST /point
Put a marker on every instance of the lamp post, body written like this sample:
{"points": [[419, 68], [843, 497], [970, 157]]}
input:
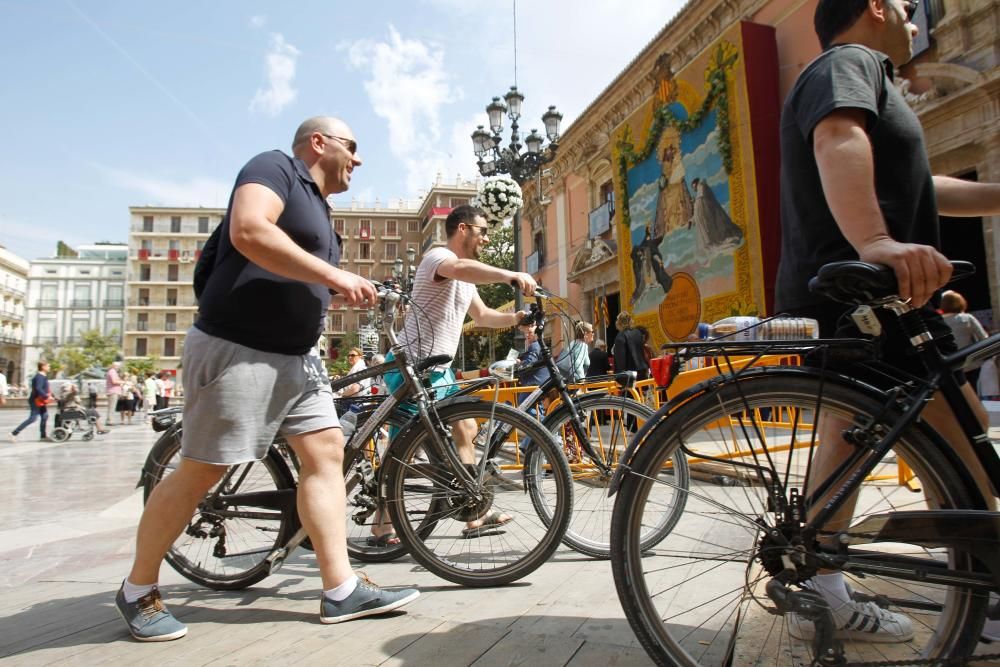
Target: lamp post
{"points": [[494, 158]]}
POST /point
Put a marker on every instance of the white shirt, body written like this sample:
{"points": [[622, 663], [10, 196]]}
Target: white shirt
{"points": [[3, 386], [434, 321]]}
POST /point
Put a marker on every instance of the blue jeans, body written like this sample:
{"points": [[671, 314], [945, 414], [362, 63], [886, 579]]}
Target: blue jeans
{"points": [[36, 412]]}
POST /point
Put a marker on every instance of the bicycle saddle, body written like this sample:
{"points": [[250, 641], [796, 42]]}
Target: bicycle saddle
{"points": [[857, 283]]}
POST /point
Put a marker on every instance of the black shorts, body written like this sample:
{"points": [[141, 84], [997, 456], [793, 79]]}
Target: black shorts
{"points": [[835, 321]]}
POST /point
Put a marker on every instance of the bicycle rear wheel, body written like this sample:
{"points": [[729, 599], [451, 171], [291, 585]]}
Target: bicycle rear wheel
{"points": [[698, 598], [365, 506], [229, 536], [609, 422], [430, 509]]}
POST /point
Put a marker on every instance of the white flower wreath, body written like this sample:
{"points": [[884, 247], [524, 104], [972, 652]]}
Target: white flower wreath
{"points": [[500, 197]]}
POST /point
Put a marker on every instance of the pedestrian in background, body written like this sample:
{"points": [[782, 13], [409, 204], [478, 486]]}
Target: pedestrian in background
{"points": [[113, 382], [964, 327], [3, 389], [38, 400], [599, 361]]}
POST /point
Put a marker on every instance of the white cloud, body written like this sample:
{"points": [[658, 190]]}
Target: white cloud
{"points": [[408, 86], [195, 192], [258, 21], [280, 92]]}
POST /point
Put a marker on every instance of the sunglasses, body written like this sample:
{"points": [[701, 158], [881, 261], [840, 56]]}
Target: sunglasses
{"points": [[483, 229], [349, 144], [911, 9]]}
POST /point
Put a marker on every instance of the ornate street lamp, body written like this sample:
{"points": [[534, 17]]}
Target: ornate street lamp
{"points": [[494, 158]]}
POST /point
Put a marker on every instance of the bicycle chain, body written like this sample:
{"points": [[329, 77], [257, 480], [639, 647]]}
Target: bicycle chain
{"points": [[936, 662]]}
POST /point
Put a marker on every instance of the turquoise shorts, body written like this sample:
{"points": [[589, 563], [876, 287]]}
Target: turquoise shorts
{"points": [[443, 384]]}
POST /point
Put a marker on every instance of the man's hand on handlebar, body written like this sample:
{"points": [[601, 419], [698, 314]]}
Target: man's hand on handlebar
{"points": [[355, 290], [524, 282]]}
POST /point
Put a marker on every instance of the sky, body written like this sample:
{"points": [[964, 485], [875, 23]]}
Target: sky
{"points": [[108, 104]]}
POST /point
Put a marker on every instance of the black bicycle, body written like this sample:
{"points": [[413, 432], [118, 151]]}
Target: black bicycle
{"points": [[248, 524], [593, 427], [725, 587]]}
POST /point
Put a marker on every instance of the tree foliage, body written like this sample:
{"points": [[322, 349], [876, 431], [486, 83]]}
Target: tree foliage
{"points": [[483, 349], [95, 349]]}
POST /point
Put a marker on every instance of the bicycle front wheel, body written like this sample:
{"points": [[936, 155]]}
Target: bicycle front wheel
{"points": [[699, 597], [229, 536], [432, 511], [609, 422]]}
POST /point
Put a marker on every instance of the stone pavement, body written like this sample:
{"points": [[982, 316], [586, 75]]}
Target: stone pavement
{"points": [[67, 517]]}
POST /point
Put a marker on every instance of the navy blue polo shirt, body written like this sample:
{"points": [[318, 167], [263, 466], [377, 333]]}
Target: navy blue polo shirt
{"points": [[249, 305]]}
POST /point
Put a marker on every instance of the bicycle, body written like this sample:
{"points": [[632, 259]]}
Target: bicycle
{"points": [[725, 587], [248, 525], [594, 428]]}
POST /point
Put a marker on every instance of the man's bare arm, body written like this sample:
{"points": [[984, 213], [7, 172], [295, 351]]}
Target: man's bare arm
{"points": [[472, 271], [966, 199], [847, 170], [253, 231], [487, 317]]}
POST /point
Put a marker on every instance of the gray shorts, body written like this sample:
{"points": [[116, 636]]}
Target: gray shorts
{"points": [[236, 399]]}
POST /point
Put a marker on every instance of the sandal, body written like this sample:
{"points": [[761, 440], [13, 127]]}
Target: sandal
{"points": [[383, 541], [490, 522]]}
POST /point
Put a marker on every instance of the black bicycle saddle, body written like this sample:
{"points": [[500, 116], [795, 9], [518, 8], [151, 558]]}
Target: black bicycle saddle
{"points": [[858, 283]]}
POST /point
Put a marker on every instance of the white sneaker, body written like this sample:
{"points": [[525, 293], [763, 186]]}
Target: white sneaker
{"points": [[859, 621], [12, 437], [991, 629]]}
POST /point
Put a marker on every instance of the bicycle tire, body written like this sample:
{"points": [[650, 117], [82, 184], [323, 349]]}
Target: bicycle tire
{"points": [[360, 485], [660, 590], [196, 554], [611, 421], [423, 494]]}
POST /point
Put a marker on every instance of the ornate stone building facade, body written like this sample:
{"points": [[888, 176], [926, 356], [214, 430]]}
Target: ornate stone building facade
{"points": [[953, 84]]}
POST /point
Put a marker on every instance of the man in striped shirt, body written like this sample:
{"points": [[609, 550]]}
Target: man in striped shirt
{"points": [[444, 292]]}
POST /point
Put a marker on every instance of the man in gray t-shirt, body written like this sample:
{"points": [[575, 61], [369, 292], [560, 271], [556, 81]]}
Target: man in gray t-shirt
{"points": [[856, 184]]}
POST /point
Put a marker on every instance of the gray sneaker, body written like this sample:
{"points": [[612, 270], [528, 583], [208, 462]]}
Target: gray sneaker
{"points": [[366, 600], [147, 619]]}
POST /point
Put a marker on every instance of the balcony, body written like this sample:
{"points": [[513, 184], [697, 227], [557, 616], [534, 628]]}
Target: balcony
{"points": [[46, 340], [141, 326], [144, 253], [12, 315], [114, 303], [170, 326], [364, 233], [48, 303], [81, 303], [8, 338], [173, 255]]}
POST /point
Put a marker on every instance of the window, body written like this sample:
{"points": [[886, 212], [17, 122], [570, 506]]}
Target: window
{"points": [[112, 327], [142, 322], [140, 347], [203, 224], [199, 246], [608, 195], [147, 223], [172, 273], [84, 272], [364, 251], [143, 297], [174, 244], [413, 226], [77, 327], [391, 250], [170, 347], [336, 321], [116, 273], [539, 241], [49, 297], [455, 202], [391, 228], [175, 224], [171, 297], [81, 296], [365, 271], [338, 225], [170, 323], [365, 229], [115, 297], [46, 331]]}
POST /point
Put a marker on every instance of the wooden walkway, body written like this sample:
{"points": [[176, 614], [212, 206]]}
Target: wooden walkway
{"points": [[67, 517]]}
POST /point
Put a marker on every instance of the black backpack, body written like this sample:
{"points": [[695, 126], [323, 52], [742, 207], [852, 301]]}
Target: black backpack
{"points": [[206, 263]]}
